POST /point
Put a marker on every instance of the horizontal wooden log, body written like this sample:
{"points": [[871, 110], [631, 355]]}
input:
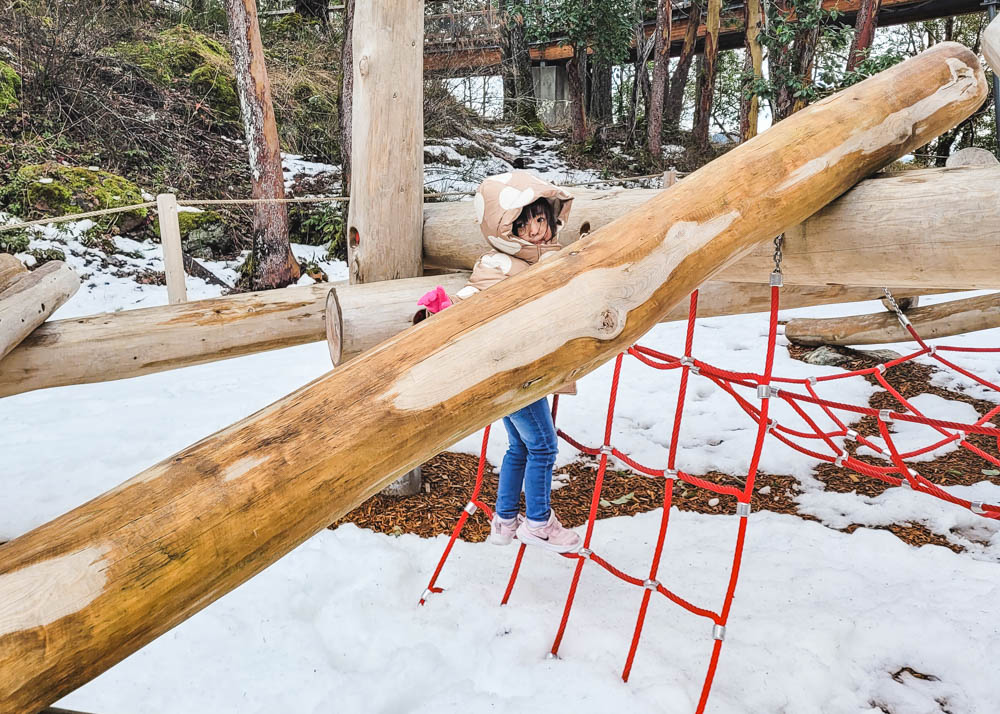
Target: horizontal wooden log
{"points": [[130, 343], [942, 320], [84, 591], [10, 268], [888, 229], [360, 317], [30, 298]]}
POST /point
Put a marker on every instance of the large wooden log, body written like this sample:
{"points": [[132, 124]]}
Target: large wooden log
{"points": [[10, 268], [360, 317], [887, 229], [82, 592], [131, 343], [30, 298], [942, 320]]}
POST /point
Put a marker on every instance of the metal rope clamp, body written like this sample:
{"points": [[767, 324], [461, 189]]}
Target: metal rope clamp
{"points": [[839, 461], [851, 434], [606, 450], [885, 415], [905, 482], [766, 391], [689, 363], [670, 473], [977, 507], [771, 424], [651, 584], [743, 509], [427, 594], [470, 508], [719, 632], [585, 553]]}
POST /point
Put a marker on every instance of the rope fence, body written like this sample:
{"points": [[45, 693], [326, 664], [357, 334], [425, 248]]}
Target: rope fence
{"points": [[303, 199]]}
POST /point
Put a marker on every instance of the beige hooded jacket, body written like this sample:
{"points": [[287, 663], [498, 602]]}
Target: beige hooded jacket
{"points": [[498, 202]]}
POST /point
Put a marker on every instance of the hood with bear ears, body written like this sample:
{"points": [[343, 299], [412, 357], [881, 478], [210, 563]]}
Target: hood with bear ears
{"points": [[499, 201]]}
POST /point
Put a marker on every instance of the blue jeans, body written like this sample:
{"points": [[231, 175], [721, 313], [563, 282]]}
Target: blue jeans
{"points": [[529, 461]]}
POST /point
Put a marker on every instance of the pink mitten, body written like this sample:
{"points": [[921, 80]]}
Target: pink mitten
{"points": [[435, 300]]}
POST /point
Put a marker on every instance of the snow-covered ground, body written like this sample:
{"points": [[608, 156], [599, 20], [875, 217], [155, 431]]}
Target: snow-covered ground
{"points": [[823, 621]]}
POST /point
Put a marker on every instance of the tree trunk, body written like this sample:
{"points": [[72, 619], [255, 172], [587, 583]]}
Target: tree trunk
{"points": [[942, 320], [599, 104], [346, 100], [661, 68], [29, 298], [271, 263], [753, 63], [576, 70], [706, 87], [84, 591], [313, 9], [795, 61], [519, 89], [675, 96], [864, 32]]}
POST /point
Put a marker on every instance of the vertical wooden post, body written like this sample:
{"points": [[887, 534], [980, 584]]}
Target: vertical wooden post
{"points": [[670, 177], [170, 239], [386, 215]]}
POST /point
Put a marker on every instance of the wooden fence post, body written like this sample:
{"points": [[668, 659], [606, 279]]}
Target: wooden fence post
{"points": [[170, 239]]}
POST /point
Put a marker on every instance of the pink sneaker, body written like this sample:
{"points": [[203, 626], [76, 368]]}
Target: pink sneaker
{"points": [[503, 532], [552, 535]]}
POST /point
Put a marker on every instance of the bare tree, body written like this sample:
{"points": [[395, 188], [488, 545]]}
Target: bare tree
{"points": [[675, 96], [706, 86], [661, 68], [346, 96], [753, 69], [864, 31], [518, 86], [271, 263]]}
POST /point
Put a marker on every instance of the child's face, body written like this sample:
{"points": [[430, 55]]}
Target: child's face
{"points": [[535, 230]]}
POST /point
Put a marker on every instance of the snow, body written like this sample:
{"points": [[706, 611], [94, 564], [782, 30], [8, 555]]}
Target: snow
{"points": [[824, 621]]}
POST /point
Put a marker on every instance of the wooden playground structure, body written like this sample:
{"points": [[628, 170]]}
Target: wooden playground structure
{"points": [[82, 592]]}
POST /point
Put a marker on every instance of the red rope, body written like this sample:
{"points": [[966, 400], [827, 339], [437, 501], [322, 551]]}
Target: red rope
{"points": [[898, 474]]}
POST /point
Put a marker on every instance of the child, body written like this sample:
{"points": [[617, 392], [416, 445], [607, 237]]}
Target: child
{"points": [[519, 215]]}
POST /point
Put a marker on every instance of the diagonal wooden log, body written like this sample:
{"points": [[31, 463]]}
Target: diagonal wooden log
{"points": [[82, 592], [887, 229], [942, 320], [30, 298]]}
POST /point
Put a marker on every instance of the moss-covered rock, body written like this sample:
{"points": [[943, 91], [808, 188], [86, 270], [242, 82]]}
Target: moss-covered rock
{"points": [[49, 190], [183, 55], [203, 234], [10, 85]]}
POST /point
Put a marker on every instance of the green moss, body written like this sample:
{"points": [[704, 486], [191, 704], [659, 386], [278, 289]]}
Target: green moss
{"points": [[289, 28], [203, 234], [181, 55], [10, 85], [306, 112], [48, 190], [218, 88]]}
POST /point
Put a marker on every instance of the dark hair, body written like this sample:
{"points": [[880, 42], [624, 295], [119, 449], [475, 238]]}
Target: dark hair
{"points": [[541, 207]]}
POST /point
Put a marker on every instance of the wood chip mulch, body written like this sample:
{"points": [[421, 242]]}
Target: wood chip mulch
{"points": [[449, 479]]}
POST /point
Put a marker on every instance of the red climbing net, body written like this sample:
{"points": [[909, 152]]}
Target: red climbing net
{"points": [[794, 392]]}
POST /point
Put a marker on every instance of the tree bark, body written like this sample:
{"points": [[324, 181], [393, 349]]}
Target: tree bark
{"points": [[675, 96], [599, 104], [313, 9], [942, 320], [519, 89], [272, 264], [753, 69], [706, 89], [576, 70], [864, 32], [84, 591], [661, 68], [346, 99], [29, 298]]}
